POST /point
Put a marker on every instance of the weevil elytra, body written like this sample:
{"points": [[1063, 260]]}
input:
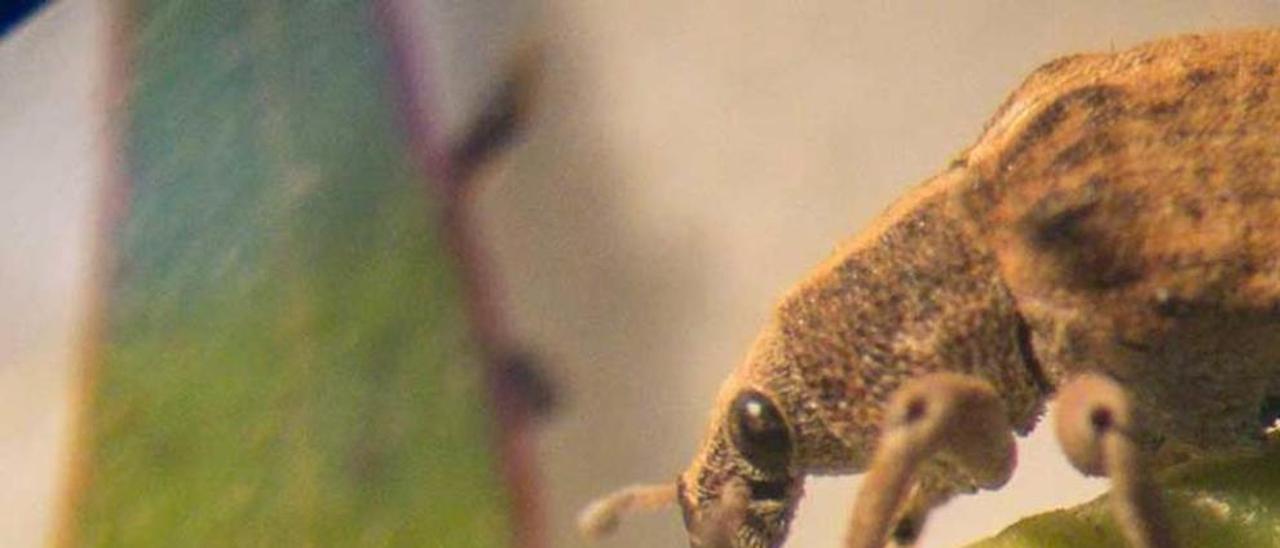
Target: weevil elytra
{"points": [[1113, 235]]}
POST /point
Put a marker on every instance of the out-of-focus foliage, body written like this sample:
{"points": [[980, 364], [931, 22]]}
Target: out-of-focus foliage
{"points": [[285, 358], [1220, 503]]}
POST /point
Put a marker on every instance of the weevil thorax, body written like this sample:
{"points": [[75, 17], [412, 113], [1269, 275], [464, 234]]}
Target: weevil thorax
{"points": [[912, 295]]}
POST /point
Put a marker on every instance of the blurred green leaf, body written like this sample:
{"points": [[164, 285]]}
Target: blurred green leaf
{"points": [[286, 359]]}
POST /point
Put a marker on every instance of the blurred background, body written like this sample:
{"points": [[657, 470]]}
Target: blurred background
{"points": [[684, 163]]}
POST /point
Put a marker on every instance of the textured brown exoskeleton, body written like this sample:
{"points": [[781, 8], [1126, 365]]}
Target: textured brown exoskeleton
{"points": [[1115, 229]]}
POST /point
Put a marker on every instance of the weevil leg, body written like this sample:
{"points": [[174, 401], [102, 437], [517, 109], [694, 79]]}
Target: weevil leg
{"points": [[910, 519], [958, 416], [1095, 425], [930, 491]]}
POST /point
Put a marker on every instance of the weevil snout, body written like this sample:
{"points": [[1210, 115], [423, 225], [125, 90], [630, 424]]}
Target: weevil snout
{"points": [[742, 489], [744, 514]]}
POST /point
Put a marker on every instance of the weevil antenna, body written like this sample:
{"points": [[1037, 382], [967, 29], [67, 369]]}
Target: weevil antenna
{"points": [[1095, 425], [601, 517], [943, 412]]}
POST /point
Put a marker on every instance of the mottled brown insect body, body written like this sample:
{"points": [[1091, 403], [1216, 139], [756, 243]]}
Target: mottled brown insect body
{"points": [[1134, 201], [1120, 215]]}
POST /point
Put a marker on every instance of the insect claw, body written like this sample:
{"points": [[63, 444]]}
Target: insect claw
{"points": [[1095, 425]]}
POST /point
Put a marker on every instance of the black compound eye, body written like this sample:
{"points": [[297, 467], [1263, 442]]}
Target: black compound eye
{"points": [[759, 432]]}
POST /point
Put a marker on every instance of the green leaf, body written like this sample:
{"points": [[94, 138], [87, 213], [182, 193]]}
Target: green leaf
{"points": [[1221, 502], [284, 358]]}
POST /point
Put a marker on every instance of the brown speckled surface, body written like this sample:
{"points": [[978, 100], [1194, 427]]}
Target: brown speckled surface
{"points": [[1134, 200]]}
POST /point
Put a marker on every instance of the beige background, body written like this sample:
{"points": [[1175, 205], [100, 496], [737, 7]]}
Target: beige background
{"points": [[50, 128], [692, 159], [695, 158]]}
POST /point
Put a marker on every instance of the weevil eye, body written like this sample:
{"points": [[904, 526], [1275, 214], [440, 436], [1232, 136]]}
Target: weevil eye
{"points": [[759, 432]]}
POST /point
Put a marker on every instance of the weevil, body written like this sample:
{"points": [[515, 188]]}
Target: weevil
{"points": [[1115, 229]]}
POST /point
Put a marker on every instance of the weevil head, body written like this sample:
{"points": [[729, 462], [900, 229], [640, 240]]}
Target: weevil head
{"points": [[767, 431], [743, 487]]}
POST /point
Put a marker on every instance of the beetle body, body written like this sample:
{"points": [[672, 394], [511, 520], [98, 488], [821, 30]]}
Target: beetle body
{"points": [[910, 296], [1120, 214], [1133, 201]]}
